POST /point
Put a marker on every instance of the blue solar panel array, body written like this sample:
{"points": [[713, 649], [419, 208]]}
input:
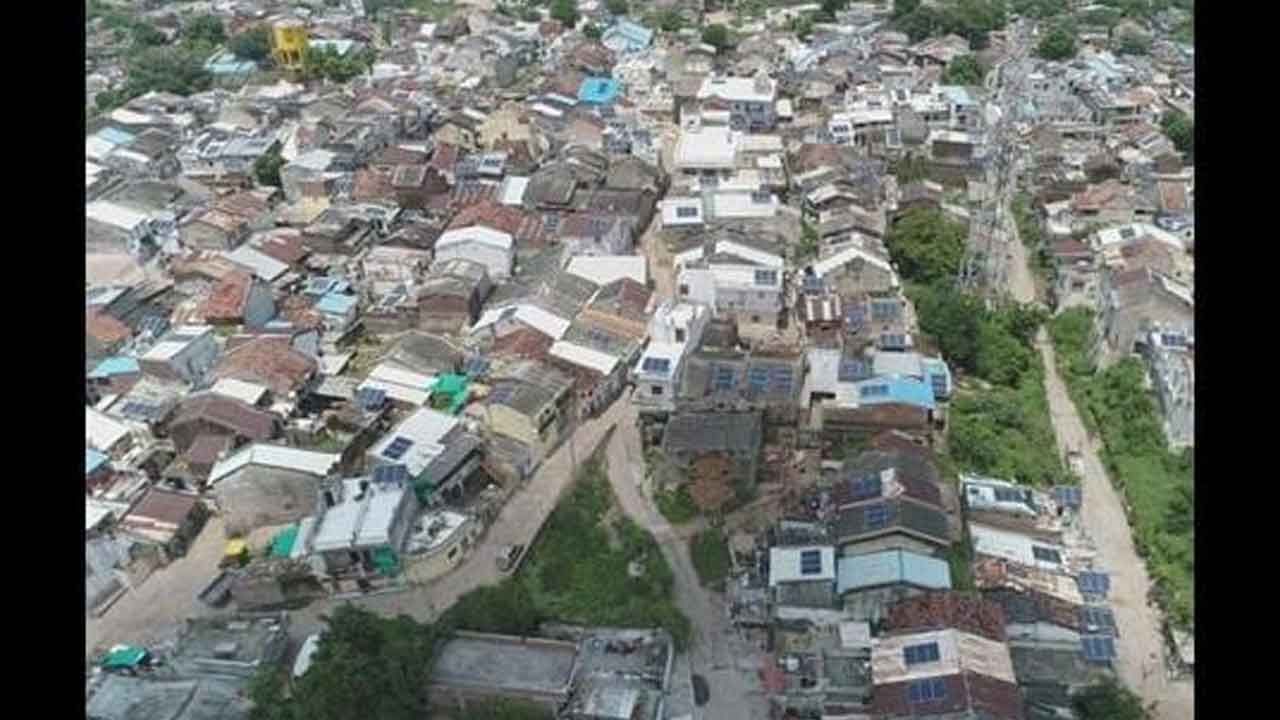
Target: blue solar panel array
{"points": [[390, 474], [810, 562], [854, 369], [1068, 496], [398, 447], [1098, 648], [929, 690], [876, 516], [371, 398], [1094, 583], [918, 654], [866, 487], [871, 391], [723, 377], [1098, 620], [656, 365]]}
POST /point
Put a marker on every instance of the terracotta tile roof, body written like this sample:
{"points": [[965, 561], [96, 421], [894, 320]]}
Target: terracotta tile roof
{"points": [[162, 506], [444, 158], [527, 228], [1071, 248], [283, 245], [525, 343], [297, 309], [369, 184], [227, 301], [623, 297], [104, 328], [1109, 193], [230, 414], [942, 610], [270, 361], [1173, 196], [206, 449], [1032, 606], [891, 700]]}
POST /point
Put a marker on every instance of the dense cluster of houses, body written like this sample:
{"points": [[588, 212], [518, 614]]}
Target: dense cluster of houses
{"points": [[505, 226]]}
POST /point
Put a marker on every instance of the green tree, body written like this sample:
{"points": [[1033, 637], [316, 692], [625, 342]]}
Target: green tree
{"points": [[566, 11], [921, 23], [205, 29], [252, 44], [1057, 44], [717, 36], [593, 31], [1109, 700], [927, 246], [365, 666], [902, 8], [1133, 44], [617, 7], [178, 70], [505, 608], [671, 21], [144, 35], [909, 169], [1180, 130], [802, 26], [964, 70], [830, 8], [267, 167]]}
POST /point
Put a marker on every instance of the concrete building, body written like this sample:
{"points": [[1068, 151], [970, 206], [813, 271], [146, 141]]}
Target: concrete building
{"points": [[492, 248], [263, 485], [750, 100], [186, 353]]}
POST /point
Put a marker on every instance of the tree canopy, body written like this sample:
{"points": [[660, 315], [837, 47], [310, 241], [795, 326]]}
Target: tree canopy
{"points": [[566, 11], [617, 7], [717, 36], [964, 70], [365, 666], [205, 29], [1057, 44], [267, 167], [326, 62], [970, 19], [927, 246], [1180, 130], [1109, 700], [252, 44]]}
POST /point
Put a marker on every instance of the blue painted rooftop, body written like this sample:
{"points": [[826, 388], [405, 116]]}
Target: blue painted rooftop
{"points": [[115, 136], [325, 285], [115, 366], [907, 391], [336, 304], [93, 460], [633, 33], [598, 91], [891, 567], [226, 63]]}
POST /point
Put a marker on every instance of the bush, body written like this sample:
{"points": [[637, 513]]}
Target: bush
{"points": [[710, 552], [676, 505], [717, 36], [1057, 44], [927, 246], [1158, 484], [252, 44], [964, 70], [1109, 700]]}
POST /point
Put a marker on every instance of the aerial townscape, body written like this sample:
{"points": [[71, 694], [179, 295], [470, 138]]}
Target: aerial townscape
{"points": [[639, 360]]}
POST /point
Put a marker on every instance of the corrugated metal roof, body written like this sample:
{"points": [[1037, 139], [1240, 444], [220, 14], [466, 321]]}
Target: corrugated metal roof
{"points": [[602, 363], [308, 461], [115, 366], [101, 431], [336, 304], [891, 567]]}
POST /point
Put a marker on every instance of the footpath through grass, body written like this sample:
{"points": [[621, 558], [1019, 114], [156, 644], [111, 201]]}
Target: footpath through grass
{"points": [[1158, 484], [580, 571]]}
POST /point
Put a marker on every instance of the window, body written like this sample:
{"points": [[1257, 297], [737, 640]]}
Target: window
{"points": [[684, 289], [1045, 554], [755, 318], [930, 690], [679, 335], [655, 389], [810, 562], [686, 212], [766, 277], [918, 654]]}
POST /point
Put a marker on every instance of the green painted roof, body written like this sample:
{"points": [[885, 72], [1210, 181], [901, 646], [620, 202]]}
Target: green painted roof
{"points": [[123, 656], [282, 543]]}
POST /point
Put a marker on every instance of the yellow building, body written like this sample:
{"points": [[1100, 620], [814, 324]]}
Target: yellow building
{"points": [[288, 42]]}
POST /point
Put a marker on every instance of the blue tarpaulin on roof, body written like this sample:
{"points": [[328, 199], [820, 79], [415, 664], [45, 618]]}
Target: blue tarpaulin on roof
{"points": [[598, 91], [115, 366], [93, 460]]}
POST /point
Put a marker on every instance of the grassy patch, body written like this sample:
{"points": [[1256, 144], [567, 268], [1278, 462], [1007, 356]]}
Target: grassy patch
{"points": [[1157, 484], [1006, 432], [710, 552], [578, 572], [676, 505]]}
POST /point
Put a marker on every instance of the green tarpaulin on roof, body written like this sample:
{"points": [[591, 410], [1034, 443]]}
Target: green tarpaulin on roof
{"points": [[386, 561], [451, 390], [123, 656], [282, 543]]}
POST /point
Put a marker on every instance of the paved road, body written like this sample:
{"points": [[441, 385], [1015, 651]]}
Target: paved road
{"points": [[717, 653], [1140, 663]]}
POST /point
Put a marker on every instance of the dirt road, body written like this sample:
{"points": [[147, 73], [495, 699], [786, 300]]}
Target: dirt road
{"points": [[1140, 648], [517, 523], [717, 652], [151, 613]]}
